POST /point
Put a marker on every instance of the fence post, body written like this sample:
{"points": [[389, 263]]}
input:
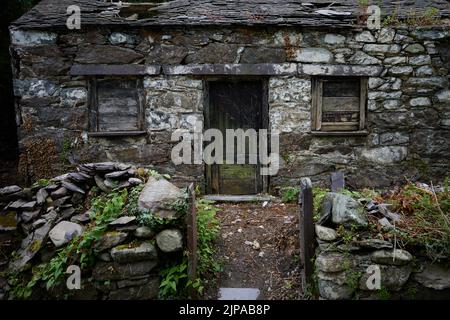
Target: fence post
{"points": [[191, 222], [307, 234]]}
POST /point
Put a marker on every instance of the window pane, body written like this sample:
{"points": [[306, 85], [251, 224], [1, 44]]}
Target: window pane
{"points": [[118, 105]]}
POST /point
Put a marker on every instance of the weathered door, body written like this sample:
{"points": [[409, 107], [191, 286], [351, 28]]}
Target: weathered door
{"points": [[235, 105]]}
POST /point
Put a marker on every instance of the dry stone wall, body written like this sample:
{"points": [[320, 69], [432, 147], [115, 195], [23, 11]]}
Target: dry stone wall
{"points": [[353, 261], [127, 253], [408, 115]]}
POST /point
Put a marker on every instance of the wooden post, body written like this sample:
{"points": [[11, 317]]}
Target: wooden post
{"points": [[337, 181], [307, 236], [191, 222]]}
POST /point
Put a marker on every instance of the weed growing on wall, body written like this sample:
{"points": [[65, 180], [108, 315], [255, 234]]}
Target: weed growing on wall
{"points": [[174, 282], [104, 210]]}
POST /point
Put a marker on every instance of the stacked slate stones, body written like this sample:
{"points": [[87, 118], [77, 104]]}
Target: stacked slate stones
{"points": [[127, 254], [349, 256]]}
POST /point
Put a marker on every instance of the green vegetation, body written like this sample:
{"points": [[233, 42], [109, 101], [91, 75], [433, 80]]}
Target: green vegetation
{"points": [[318, 195], [104, 209], [174, 282], [425, 218], [41, 183], [290, 194], [429, 16]]}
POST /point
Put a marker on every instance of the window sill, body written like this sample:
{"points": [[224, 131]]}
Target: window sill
{"points": [[341, 133], [116, 134]]}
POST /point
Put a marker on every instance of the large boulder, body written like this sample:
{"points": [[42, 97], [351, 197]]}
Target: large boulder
{"points": [[158, 196], [64, 232], [170, 240], [347, 211], [433, 276]]}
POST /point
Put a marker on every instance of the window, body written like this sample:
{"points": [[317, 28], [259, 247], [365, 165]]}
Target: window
{"points": [[339, 104], [116, 107]]}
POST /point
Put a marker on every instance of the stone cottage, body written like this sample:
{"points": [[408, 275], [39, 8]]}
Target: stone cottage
{"points": [[374, 103]]}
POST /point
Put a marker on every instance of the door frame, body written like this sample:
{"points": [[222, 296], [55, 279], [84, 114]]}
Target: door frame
{"points": [[263, 181]]}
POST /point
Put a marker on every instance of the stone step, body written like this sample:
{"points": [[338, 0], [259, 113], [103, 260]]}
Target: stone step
{"points": [[239, 294], [238, 198]]}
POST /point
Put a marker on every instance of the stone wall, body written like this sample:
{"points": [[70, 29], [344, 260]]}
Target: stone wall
{"points": [[408, 117], [350, 256], [124, 254]]}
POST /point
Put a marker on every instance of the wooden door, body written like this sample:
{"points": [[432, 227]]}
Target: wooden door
{"points": [[235, 105]]}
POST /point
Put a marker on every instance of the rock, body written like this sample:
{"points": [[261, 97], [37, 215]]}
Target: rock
{"points": [[214, 53], [29, 247], [158, 196], [138, 281], [433, 276], [122, 221], [38, 223], [363, 58], [28, 38], [66, 213], [105, 256], [386, 35], [27, 216], [135, 181], [64, 232], [81, 218], [381, 48], [144, 233], [105, 54], [429, 34], [385, 155], [384, 222], [147, 291], [41, 195], [9, 190], [333, 262], [392, 277], [133, 252], [424, 71], [347, 211], [61, 201], [429, 82], [170, 240], [263, 55], [8, 221], [395, 257], [79, 176], [313, 55], [374, 244], [109, 240], [415, 48], [420, 102], [332, 291], [420, 60], [365, 36], [401, 71], [166, 54], [59, 193], [334, 39], [394, 60], [443, 96], [99, 182], [116, 174], [120, 38], [325, 234], [28, 205], [70, 186], [104, 271]]}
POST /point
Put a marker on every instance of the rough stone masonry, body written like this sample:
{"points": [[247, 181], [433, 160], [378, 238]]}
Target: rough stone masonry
{"points": [[408, 98]]}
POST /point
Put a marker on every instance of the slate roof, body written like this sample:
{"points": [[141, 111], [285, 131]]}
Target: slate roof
{"points": [[310, 13]]}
